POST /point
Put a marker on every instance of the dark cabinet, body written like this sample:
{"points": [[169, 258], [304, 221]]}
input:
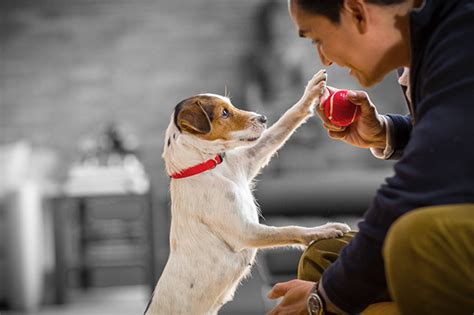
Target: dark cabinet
{"points": [[103, 240]]}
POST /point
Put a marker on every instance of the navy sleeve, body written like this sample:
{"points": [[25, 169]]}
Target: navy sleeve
{"points": [[399, 134], [437, 166]]}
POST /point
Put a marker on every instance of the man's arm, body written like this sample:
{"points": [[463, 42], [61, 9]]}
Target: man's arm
{"points": [[436, 166], [398, 128], [437, 163]]}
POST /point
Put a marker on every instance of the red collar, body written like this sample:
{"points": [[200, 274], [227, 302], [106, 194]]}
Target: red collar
{"points": [[197, 169]]}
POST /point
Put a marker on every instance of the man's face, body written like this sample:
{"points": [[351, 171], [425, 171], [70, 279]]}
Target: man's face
{"points": [[353, 43]]}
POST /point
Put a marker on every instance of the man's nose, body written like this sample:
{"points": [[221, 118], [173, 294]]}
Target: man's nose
{"points": [[324, 60]]}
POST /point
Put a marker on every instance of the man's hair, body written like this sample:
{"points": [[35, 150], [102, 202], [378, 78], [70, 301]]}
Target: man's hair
{"points": [[332, 8]]}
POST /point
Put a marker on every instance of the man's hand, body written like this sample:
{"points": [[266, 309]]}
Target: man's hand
{"points": [[369, 131], [295, 296]]}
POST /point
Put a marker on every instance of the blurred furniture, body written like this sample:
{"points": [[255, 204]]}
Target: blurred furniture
{"points": [[24, 247], [103, 216], [26, 181], [106, 238]]}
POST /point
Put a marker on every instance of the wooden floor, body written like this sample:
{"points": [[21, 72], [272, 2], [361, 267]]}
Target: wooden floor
{"points": [[132, 300]]}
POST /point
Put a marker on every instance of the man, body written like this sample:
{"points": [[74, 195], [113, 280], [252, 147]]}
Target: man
{"points": [[416, 242]]}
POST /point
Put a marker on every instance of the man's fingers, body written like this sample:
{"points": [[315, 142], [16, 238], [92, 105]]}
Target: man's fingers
{"points": [[278, 290], [331, 127], [337, 135], [326, 122], [360, 98]]}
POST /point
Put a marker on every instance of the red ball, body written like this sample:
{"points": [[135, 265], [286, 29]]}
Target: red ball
{"points": [[339, 110]]}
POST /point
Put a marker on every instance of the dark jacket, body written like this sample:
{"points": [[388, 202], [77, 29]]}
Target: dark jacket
{"points": [[436, 147]]}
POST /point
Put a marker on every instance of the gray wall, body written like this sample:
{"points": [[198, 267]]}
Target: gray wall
{"points": [[68, 67]]}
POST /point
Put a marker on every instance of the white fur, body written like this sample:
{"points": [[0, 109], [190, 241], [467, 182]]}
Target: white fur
{"points": [[215, 231]]}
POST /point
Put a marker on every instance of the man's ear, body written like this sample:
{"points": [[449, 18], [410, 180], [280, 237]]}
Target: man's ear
{"points": [[193, 119], [356, 10]]}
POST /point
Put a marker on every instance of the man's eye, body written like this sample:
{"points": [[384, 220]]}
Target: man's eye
{"points": [[225, 113]]}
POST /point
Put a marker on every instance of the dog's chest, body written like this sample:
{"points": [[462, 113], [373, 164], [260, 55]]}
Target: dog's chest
{"points": [[240, 199]]}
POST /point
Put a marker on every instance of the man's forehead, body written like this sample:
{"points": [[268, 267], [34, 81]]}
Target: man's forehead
{"points": [[301, 19]]}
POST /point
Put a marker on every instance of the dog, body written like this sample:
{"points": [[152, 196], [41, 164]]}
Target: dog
{"points": [[212, 152]]}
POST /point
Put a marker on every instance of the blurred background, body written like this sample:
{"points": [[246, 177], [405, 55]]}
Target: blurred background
{"points": [[87, 88]]}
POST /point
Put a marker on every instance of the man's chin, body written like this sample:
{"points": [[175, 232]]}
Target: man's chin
{"points": [[367, 81]]}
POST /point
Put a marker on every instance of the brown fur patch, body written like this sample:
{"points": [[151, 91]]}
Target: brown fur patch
{"points": [[192, 118], [221, 127]]}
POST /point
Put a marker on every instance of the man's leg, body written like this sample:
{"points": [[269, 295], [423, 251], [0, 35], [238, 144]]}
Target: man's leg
{"points": [[429, 260], [321, 254]]}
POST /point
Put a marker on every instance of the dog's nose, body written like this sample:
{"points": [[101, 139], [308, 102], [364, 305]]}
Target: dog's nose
{"points": [[262, 119]]}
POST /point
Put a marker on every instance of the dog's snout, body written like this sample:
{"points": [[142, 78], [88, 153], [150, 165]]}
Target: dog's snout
{"points": [[262, 119]]}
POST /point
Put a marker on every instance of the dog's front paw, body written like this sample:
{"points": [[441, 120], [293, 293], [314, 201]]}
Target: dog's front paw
{"points": [[321, 234], [314, 90], [334, 225], [329, 230]]}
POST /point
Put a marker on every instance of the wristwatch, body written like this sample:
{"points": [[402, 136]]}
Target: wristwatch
{"points": [[315, 302]]}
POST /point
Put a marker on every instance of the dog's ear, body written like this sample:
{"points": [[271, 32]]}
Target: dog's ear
{"points": [[193, 119]]}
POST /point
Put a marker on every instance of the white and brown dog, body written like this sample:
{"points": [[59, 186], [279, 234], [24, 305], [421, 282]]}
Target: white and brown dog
{"points": [[215, 231]]}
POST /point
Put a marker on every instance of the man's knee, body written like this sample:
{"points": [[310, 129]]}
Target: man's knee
{"points": [[320, 255], [404, 234], [313, 261], [427, 252], [425, 232], [410, 239]]}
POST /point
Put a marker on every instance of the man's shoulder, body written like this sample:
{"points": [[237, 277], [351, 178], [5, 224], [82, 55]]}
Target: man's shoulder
{"points": [[438, 22], [442, 46]]}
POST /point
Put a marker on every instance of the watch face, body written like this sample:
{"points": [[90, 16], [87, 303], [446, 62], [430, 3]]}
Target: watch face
{"points": [[314, 303]]}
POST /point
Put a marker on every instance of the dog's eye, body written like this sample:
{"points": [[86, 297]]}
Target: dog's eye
{"points": [[225, 113]]}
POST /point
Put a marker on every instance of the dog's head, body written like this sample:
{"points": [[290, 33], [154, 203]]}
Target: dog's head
{"points": [[213, 118]]}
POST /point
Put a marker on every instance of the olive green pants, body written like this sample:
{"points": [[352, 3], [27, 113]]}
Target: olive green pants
{"points": [[429, 260]]}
